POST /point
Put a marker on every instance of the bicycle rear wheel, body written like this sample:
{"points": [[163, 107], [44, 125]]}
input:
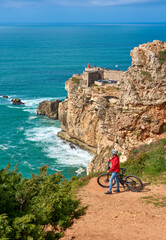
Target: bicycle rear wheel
{"points": [[134, 183], [104, 180]]}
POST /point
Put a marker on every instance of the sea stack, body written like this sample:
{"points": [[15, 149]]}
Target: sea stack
{"points": [[49, 109]]}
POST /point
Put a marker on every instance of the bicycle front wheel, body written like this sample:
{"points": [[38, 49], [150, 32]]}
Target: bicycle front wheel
{"points": [[134, 183], [104, 180]]}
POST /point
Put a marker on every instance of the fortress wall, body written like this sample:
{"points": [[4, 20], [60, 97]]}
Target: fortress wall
{"points": [[90, 77], [113, 75]]}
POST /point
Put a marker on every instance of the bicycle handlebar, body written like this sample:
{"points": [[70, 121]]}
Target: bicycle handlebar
{"points": [[123, 169]]}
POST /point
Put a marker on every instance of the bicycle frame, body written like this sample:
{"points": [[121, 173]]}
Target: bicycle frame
{"points": [[132, 182], [121, 176], [122, 182]]}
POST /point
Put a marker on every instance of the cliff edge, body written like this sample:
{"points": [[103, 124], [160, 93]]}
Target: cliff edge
{"points": [[121, 116]]}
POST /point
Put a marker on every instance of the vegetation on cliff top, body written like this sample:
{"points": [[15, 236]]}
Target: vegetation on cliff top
{"points": [[27, 206], [147, 75], [76, 80], [147, 160], [162, 56]]}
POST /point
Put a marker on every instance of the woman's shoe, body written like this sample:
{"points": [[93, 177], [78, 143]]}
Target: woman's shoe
{"points": [[108, 192], [117, 190]]}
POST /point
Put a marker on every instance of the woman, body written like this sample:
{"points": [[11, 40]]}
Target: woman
{"points": [[115, 171]]}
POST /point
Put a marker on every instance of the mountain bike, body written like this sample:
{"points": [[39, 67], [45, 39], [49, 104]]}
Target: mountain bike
{"points": [[132, 182]]}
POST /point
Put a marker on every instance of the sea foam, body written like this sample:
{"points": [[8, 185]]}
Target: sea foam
{"points": [[55, 148], [2, 147]]}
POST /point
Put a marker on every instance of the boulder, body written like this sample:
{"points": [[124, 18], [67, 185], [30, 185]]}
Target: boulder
{"points": [[49, 109], [72, 146], [17, 101]]}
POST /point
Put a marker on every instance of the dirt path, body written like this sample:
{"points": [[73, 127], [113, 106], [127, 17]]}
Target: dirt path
{"points": [[120, 216]]}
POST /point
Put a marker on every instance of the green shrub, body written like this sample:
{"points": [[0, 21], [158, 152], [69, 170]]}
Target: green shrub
{"points": [[28, 205], [5, 229], [133, 87], [147, 75], [148, 159], [163, 129], [76, 80], [93, 85], [162, 56]]}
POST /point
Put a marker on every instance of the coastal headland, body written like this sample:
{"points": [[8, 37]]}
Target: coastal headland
{"points": [[108, 109]]}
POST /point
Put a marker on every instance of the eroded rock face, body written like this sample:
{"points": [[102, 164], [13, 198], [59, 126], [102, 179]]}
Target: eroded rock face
{"points": [[83, 113], [145, 81], [17, 101], [106, 117], [49, 109]]}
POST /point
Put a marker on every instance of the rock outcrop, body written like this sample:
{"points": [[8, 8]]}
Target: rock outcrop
{"points": [[17, 101], [123, 117], [49, 109]]}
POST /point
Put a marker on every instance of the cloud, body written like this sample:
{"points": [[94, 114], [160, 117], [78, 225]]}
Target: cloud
{"points": [[19, 3], [118, 2], [77, 3]]}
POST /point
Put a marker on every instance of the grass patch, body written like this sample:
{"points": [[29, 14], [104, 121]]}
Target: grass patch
{"points": [[133, 87], [119, 154], [77, 182], [147, 75], [93, 85], [148, 160], [163, 129], [76, 80], [137, 133], [156, 200], [162, 56]]}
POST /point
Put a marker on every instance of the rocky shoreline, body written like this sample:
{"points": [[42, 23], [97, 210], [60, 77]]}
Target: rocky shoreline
{"points": [[99, 118]]}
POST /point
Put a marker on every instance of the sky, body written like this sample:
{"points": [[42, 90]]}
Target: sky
{"points": [[82, 11]]}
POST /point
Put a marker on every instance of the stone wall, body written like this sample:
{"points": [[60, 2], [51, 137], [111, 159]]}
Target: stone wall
{"points": [[113, 75], [98, 83], [92, 76]]}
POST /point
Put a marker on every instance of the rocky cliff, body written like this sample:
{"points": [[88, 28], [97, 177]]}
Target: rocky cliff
{"points": [[122, 117], [49, 109]]}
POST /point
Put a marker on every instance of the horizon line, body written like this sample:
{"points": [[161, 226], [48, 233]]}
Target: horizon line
{"points": [[81, 23]]}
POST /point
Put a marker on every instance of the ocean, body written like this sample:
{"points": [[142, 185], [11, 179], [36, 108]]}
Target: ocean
{"points": [[35, 62]]}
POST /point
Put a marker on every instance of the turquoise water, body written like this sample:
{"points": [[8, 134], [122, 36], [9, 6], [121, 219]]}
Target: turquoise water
{"points": [[35, 62]]}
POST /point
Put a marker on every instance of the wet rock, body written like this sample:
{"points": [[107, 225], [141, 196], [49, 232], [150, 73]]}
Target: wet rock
{"points": [[72, 146], [17, 101], [5, 96]]}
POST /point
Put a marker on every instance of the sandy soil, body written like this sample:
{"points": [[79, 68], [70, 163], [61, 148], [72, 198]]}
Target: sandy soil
{"points": [[120, 216]]}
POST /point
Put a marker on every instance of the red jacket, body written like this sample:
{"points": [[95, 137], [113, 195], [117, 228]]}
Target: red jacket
{"points": [[115, 164]]}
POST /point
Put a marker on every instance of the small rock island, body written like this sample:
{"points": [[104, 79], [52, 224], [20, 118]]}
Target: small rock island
{"points": [[108, 109], [17, 101]]}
